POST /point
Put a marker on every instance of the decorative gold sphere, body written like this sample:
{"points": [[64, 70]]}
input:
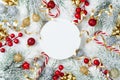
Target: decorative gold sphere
{"points": [[114, 73], [26, 22], [84, 70], [68, 76], [35, 17], [18, 57]]}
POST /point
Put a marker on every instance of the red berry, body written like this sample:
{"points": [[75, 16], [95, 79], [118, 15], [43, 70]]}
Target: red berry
{"points": [[12, 35], [20, 34], [31, 41], [10, 43], [61, 74], [85, 12], [55, 77], [16, 41], [0, 44], [61, 67], [86, 60], [57, 72], [96, 62], [92, 22], [105, 72], [86, 3], [51, 4], [78, 10], [76, 21], [2, 49], [82, 0], [77, 15], [25, 65], [7, 39]]}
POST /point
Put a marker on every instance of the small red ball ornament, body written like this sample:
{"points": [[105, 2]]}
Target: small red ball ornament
{"points": [[51, 4], [57, 72], [2, 50], [78, 10], [16, 41], [10, 43], [20, 34], [61, 74], [96, 62], [55, 77], [92, 22], [12, 35], [31, 41], [25, 65], [61, 67], [86, 60], [105, 72], [86, 3], [77, 15], [7, 39]]}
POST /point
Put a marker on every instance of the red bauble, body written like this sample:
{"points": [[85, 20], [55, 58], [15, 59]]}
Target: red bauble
{"points": [[51, 4], [7, 39], [12, 35], [78, 10], [92, 22], [82, 0], [105, 72], [16, 41], [86, 3], [0, 44], [31, 41], [57, 72], [25, 65], [96, 62], [86, 60], [20, 34], [61, 74], [2, 49], [55, 77], [10, 43], [77, 15], [85, 12], [61, 67]]}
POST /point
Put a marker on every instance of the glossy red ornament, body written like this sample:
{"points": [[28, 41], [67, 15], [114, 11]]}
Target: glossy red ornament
{"points": [[16, 41], [31, 41], [86, 60], [92, 22], [78, 10], [51, 4], [61, 74], [2, 49], [86, 3], [96, 62], [57, 72], [12, 35], [105, 72], [20, 34], [10, 43], [0, 44], [25, 65], [61, 67], [77, 15], [7, 39], [55, 77]]}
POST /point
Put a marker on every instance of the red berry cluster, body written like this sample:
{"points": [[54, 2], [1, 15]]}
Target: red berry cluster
{"points": [[9, 40], [81, 10], [58, 73]]}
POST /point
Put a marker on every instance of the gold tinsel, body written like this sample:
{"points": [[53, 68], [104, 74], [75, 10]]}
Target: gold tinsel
{"points": [[68, 76], [116, 30], [11, 2], [3, 33]]}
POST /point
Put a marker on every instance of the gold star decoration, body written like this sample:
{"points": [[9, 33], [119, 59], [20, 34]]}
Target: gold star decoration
{"points": [[11, 2]]}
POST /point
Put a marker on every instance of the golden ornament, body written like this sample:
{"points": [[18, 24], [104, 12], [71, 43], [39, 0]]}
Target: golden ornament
{"points": [[114, 73], [11, 2], [76, 2], [3, 33], [18, 57], [26, 22], [68, 76], [35, 17], [84, 70]]}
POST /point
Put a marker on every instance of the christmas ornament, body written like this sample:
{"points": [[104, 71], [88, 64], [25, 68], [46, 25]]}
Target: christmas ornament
{"points": [[86, 60], [2, 50], [26, 22], [51, 4], [31, 41], [68, 76], [96, 62], [20, 34], [84, 70], [18, 57], [92, 22], [25, 66], [61, 67], [35, 17], [115, 73], [52, 37]]}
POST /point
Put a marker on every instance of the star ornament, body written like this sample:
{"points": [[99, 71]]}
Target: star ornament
{"points": [[11, 2]]}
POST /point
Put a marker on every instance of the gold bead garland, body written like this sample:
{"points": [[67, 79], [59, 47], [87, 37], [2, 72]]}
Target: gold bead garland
{"points": [[68, 76], [35, 17]]}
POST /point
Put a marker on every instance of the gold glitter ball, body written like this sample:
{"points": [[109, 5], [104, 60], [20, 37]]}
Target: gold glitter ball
{"points": [[18, 57], [84, 70], [68, 76], [35, 17], [26, 22]]}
